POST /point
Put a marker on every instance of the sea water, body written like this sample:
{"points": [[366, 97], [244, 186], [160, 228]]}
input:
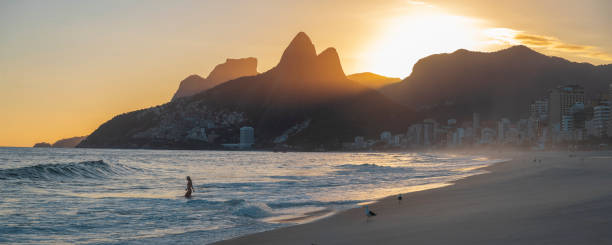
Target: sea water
{"points": [[106, 196]]}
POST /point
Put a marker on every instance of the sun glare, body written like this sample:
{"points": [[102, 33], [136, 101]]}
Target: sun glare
{"points": [[406, 39]]}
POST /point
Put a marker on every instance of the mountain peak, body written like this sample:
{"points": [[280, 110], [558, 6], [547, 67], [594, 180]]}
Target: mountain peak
{"points": [[329, 64], [299, 52], [302, 36], [519, 49], [231, 69]]}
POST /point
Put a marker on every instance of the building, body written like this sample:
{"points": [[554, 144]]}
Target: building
{"points": [[247, 137], [460, 135], [197, 134], [567, 124], [435, 131], [359, 140], [428, 133], [386, 137], [359, 143], [397, 139], [415, 134], [512, 136], [578, 115], [560, 101], [539, 108], [502, 127], [487, 136], [601, 119]]}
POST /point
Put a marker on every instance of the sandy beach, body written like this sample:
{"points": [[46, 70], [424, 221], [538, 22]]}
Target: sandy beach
{"points": [[561, 198]]}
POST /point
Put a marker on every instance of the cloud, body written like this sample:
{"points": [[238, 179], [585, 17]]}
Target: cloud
{"points": [[534, 40], [573, 48], [416, 3], [514, 37], [600, 55], [419, 3]]}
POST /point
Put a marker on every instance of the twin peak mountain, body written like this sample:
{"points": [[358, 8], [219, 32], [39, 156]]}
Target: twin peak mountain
{"points": [[306, 100], [300, 73]]}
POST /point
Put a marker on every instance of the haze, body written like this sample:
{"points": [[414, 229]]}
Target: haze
{"points": [[68, 66]]}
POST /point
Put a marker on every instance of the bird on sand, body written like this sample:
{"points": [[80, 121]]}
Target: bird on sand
{"points": [[368, 212], [399, 198]]}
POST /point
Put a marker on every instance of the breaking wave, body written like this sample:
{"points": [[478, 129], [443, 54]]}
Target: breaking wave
{"points": [[369, 168], [61, 171]]}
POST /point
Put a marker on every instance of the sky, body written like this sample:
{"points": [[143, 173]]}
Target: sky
{"points": [[68, 66]]}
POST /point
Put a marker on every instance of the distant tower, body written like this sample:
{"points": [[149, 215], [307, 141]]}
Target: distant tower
{"points": [[561, 100], [476, 121], [502, 127], [601, 119], [247, 137]]}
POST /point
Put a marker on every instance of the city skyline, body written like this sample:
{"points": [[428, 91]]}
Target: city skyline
{"points": [[70, 66]]}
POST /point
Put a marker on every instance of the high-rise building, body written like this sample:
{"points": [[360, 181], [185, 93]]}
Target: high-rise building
{"points": [[601, 119], [435, 131], [502, 127], [247, 137], [539, 108], [567, 124], [428, 133], [415, 134], [578, 114], [561, 100]]}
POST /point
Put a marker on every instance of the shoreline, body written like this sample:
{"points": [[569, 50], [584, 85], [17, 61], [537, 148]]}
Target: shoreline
{"points": [[327, 213], [496, 207], [315, 216]]}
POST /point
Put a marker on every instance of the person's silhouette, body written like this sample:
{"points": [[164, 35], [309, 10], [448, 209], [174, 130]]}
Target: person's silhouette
{"points": [[189, 188]]}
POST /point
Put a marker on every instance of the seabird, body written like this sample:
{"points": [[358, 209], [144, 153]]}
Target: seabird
{"points": [[368, 212], [399, 198]]}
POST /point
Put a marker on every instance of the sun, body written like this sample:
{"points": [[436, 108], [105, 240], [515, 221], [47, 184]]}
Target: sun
{"points": [[406, 39]]}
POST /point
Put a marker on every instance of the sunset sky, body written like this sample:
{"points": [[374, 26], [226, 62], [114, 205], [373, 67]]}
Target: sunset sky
{"points": [[68, 66]]}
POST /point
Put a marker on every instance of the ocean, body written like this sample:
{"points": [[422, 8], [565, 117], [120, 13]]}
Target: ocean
{"points": [[107, 196]]}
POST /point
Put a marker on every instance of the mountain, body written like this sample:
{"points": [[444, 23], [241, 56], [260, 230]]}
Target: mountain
{"points": [[68, 142], [42, 145], [372, 80], [305, 101], [496, 84], [231, 69]]}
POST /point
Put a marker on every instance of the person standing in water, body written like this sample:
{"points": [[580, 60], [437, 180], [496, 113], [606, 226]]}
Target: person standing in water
{"points": [[189, 188]]}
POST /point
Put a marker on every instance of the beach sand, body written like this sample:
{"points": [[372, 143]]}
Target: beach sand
{"points": [[560, 200]]}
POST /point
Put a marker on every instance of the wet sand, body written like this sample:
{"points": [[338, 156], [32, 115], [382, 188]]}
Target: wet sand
{"points": [[560, 200]]}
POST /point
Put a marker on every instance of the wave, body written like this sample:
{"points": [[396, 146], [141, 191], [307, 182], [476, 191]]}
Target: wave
{"points": [[312, 203], [253, 210], [59, 171], [237, 207], [370, 168]]}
